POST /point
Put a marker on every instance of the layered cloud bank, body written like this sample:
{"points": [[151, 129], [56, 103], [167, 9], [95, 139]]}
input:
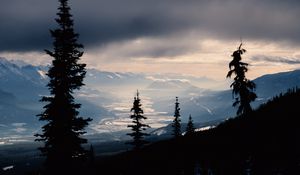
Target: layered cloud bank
{"points": [[192, 37]]}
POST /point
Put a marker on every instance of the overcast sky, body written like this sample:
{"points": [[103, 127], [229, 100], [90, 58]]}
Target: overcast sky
{"points": [[193, 37]]}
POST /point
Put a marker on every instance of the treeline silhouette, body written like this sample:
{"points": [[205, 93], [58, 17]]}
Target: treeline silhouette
{"points": [[264, 141]]}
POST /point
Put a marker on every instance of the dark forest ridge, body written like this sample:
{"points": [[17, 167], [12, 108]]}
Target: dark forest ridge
{"points": [[265, 141]]}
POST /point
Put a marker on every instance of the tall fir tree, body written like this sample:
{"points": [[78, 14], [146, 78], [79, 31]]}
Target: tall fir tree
{"points": [[62, 132], [176, 122], [243, 89], [190, 129], [137, 127]]}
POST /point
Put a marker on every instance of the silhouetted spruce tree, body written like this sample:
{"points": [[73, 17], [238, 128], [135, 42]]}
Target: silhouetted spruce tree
{"points": [[190, 126], [243, 89], [138, 127], [61, 135], [176, 122]]}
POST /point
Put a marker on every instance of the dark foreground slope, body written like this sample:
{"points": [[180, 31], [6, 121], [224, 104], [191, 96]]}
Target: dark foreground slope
{"points": [[266, 141]]}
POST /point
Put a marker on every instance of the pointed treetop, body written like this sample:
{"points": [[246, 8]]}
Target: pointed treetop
{"points": [[190, 126], [138, 126], [176, 122], [177, 109], [239, 48], [64, 2], [241, 40]]}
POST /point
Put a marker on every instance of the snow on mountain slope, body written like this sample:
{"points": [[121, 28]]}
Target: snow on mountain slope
{"points": [[218, 104], [22, 85], [21, 88], [171, 84], [268, 85]]}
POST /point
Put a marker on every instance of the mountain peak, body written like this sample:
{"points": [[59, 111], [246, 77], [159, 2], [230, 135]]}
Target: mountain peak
{"points": [[170, 84]]}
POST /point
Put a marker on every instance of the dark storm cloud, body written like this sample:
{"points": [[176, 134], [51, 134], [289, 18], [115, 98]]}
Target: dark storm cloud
{"points": [[25, 24]]}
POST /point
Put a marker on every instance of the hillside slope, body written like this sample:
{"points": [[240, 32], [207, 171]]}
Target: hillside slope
{"points": [[266, 141]]}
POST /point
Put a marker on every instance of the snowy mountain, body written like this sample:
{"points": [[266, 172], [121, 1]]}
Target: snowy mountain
{"points": [[21, 88], [114, 80], [107, 96], [29, 79], [271, 84], [218, 104], [169, 85]]}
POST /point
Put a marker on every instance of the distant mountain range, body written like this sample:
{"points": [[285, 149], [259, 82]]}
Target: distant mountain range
{"points": [[109, 95], [22, 86], [213, 105], [207, 106]]}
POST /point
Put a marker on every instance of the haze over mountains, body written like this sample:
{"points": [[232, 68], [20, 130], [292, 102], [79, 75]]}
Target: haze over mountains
{"points": [[108, 96]]}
